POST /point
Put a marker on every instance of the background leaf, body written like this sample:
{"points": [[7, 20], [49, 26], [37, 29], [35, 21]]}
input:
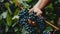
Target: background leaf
{"points": [[9, 19]]}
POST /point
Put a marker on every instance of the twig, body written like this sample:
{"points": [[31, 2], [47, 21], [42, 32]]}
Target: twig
{"points": [[18, 4], [52, 25]]}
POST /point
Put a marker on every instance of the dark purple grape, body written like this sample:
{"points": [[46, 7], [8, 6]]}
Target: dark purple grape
{"points": [[28, 27], [32, 17]]}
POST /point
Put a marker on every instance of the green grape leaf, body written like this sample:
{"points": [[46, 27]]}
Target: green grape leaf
{"points": [[0, 17], [24, 31], [48, 29], [6, 28], [25, 5], [29, 1], [9, 19], [15, 29], [4, 14], [1, 0], [16, 12], [6, 4]]}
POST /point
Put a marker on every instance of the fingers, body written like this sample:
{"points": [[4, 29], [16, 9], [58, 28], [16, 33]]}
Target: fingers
{"points": [[36, 10], [31, 10], [39, 13]]}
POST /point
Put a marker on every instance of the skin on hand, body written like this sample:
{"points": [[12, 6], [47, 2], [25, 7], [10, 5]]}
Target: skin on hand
{"points": [[38, 7], [36, 10]]}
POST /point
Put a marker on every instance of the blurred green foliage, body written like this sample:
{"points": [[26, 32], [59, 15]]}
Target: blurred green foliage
{"points": [[9, 14]]}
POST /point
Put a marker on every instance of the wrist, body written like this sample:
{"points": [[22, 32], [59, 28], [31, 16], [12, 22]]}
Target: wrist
{"points": [[38, 4]]}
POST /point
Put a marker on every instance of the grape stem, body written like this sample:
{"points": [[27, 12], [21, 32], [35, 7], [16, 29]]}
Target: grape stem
{"points": [[18, 4], [52, 25]]}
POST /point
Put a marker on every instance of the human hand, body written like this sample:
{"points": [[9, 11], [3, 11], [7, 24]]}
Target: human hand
{"points": [[36, 10]]}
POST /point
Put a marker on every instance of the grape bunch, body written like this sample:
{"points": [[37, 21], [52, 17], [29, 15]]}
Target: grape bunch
{"points": [[41, 23], [39, 20], [32, 16], [24, 15], [23, 19]]}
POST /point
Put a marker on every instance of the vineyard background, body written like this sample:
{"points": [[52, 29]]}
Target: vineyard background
{"points": [[9, 10]]}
